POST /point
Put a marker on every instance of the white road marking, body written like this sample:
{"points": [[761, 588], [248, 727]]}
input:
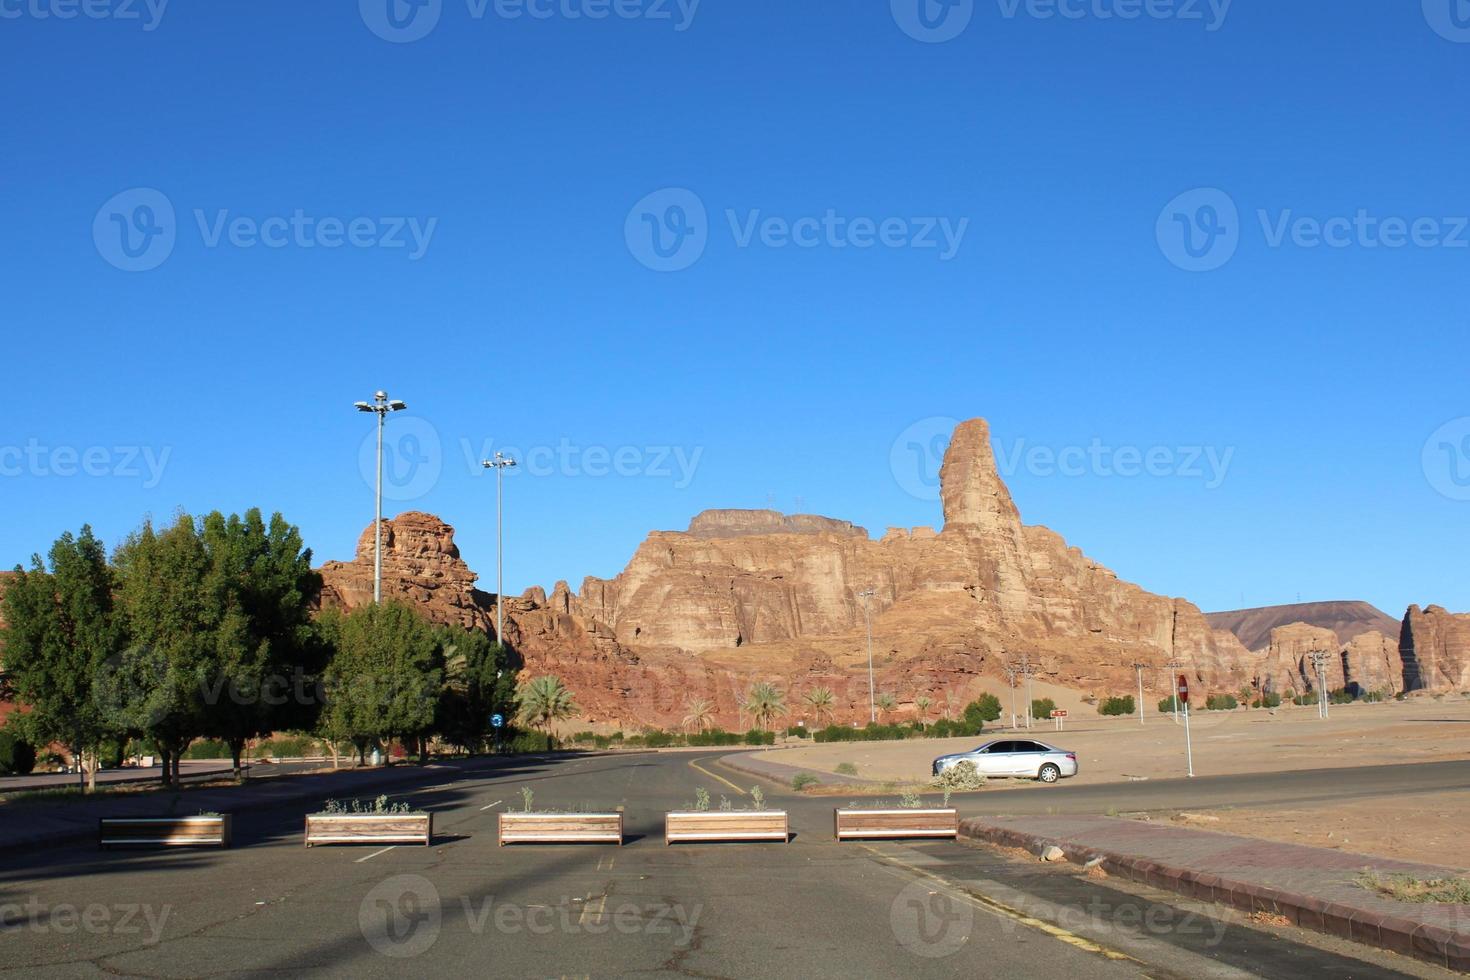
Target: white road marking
{"points": [[484, 808], [374, 854]]}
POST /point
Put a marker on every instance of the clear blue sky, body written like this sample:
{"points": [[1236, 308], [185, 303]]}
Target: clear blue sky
{"points": [[530, 317]]}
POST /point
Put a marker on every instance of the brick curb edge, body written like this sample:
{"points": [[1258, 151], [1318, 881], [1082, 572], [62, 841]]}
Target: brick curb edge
{"points": [[1430, 943]]}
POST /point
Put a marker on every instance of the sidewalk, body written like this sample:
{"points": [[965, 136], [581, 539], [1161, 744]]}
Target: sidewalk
{"points": [[32, 825], [1313, 887]]}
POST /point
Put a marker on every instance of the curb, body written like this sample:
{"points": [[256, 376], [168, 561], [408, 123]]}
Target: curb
{"points": [[1432, 944], [780, 772]]}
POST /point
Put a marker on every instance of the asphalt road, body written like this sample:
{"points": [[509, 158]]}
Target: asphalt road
{"points": [[810, 908]]}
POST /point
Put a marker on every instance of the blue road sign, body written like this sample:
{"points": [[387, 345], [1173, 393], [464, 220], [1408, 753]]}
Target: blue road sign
{"points": [[497, 721]]}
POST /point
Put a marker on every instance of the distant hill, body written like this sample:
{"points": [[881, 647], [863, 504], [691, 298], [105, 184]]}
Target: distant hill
{"points": [[1347, 619]]}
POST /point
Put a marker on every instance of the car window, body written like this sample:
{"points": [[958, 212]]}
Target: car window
{"points": [[1030, 747], [998, 747]]}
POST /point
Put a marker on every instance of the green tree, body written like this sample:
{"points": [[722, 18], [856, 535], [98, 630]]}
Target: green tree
{"points": [[258, 593], [1042, 707], [885, 703], [766, 702], [983, 709], [61, 631], [385, 676], [820, 701], [544, 701], [159, 686], [479, 680], [923, 702], [1118, 706]]}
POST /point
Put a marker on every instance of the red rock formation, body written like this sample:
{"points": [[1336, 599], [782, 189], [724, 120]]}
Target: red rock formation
{"points": [[1435, 646], [756, 595]]}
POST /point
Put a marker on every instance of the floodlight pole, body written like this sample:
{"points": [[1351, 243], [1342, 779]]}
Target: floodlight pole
{"points": [[1174, 665], [499, 464], [381, 406], [1138, 667]]}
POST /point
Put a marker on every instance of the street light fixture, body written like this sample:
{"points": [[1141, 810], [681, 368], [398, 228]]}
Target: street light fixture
{"points": [[866, 595], [499, 464], [381, 406], [1174, 666], [1319, 660], [1139, 668]]}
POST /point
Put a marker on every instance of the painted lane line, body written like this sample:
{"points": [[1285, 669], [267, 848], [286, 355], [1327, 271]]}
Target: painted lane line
{"points": [[695, 764], [374, 854], [496, 803]]}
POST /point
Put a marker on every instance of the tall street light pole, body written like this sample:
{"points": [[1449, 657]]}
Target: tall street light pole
{"points": [[1010, 672], [499, 464], [1027, 670], [380, 406], [1174, 664], [866, 595]]}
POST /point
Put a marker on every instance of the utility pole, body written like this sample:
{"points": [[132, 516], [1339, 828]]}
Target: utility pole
{"points": [[866, 595], [1319, 660], [499, 464], [1138, 668], [1010, 671], [1027, 670], [380, 406]]}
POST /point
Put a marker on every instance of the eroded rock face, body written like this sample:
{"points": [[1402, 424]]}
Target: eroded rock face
{"points": [[421, 564], [1373, 662], [1435, 647], [1288, 667]]}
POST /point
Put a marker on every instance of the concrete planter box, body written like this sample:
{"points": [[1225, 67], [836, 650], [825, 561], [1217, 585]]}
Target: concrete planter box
{"points": [[369, 828], [726, 825], [560, 828], [197, 831], [859, 824]]}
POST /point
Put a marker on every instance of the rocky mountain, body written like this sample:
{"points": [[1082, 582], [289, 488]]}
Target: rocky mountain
{"points": [[1435, 647], [1345, 619], [756, 595]]}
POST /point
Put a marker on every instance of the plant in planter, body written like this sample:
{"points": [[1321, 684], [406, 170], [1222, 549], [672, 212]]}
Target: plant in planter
{"points": [[755, 823], [547, 826], [910, 817], [377, 821]]}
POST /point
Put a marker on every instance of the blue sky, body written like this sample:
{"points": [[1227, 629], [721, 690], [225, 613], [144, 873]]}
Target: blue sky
{"points": [[1231, 233]]}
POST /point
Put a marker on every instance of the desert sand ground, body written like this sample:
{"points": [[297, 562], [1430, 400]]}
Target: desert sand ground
{"points": [[1225, 742]]}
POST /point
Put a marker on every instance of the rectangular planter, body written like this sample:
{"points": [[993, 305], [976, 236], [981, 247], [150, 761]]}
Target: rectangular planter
{"points": [[898, 822], [726, 825], [369, 828], [560, 828], [196, 831]]}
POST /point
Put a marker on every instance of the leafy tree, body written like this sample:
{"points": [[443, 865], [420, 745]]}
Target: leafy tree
{"points": [[820, 701], [479, 680], [159, 686], [1042, 707], [17, 756], [765, 702], [544, 701], [258, 594], [984, 708], [385, 676], [701, 713], [61, 631], [1118, 706]]}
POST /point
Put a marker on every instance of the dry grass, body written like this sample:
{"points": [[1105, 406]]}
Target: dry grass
{"points": [[1407, 888]]}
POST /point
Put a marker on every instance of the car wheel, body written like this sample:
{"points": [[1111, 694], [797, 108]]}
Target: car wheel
{"points": [[1049, 773]]}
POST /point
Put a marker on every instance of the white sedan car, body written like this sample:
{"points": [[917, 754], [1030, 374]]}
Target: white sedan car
{"points": [[1020, 758]]}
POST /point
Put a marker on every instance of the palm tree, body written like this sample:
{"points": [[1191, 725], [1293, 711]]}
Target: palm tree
{"points": [[545, 700], [923, 702], [820, 700], [886, 703], [701, 713], [765, 702]]}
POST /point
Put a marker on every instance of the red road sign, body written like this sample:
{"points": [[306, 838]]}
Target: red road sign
{"points": [[1183, 689], [1059, 713]]}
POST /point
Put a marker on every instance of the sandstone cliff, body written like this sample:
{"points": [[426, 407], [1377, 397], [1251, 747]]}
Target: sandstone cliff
{"points": [[756, 595], [1435, 647]]}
